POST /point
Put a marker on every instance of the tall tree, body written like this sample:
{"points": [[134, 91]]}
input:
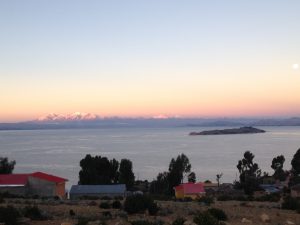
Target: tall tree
{"points": [[295, 179], [6, 167], [179, 168], [192, 177], [277, 166], [296, 163], [98, 170], [249, 173], [161, 184], [126, 175]]}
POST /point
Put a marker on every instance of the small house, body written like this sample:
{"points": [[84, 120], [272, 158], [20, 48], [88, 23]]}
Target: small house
{"points": [[189, 190], [37, 183], [114, 190]]}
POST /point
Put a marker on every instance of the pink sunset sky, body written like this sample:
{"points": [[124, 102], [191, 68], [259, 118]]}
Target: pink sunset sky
{"points": [[149, 58]]}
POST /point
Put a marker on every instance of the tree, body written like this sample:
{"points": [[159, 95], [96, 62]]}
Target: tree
{"points": [[98, 170], [161, 184], [6, 167], [277, 166], [218, 178], [296, 163], [249, 173], [192, 177], [295, 179], [126, 175], [178, 169]]}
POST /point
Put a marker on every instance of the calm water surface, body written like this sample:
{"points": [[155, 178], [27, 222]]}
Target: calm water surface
{"points": [[59, 151]]}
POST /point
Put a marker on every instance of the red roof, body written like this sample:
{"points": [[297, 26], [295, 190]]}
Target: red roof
{"points": [[13, 179], [21, 179], [48, 177], [191, 188]]}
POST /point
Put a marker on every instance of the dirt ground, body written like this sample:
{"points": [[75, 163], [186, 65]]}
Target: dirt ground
{"points": [[237, 212]]}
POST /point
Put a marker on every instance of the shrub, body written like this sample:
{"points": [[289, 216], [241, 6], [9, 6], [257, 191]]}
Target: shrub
{"points": [[137, 203], [205, 218], [120, 198], [290, 203], [106, 198], [187, 199], [107, 215], [241, 198], [33, 212], [87, 197], [153, 208], [219, 214], [224, 198], [206, 200], [179, 221], [9, 215], [92, 203], [104, 205], [269, 198], [83, 221], [146, 222], [71, 212], [116, 204]]}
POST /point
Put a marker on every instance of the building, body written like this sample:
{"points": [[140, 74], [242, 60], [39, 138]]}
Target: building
{"points": [[38, 183], [189, 190], [80, 191]]}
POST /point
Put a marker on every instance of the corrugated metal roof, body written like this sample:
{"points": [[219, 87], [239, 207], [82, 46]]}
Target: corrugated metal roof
{"points": [[98, 189]]}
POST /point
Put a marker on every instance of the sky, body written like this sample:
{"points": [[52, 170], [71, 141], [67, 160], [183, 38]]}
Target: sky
{"points": [[149, 58]]}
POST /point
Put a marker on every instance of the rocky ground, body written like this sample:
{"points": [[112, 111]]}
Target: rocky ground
{"points": [[58, 212]]}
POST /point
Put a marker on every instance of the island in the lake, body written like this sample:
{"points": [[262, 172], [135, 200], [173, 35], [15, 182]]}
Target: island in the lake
{"points": [[241, 130]]}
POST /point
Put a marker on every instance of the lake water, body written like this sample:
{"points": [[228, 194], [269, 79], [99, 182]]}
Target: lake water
{"points": [[59, 151]]}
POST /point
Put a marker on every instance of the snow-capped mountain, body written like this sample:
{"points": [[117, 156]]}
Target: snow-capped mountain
{"points": [[77, 116]]}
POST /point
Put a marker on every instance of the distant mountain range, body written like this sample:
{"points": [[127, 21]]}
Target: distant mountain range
{"points": [[89, 120], [77, 116]]}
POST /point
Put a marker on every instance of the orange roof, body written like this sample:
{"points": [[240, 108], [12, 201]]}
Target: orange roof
{"points": [[191, 188]]}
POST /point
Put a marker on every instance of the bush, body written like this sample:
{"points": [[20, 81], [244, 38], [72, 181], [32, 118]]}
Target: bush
{"points": [[205, 218], [179, 221], [206, 200], [224, 198], [137, 203], [120, 198], [106, 198], [83, 221], [187, 199], [219, 214], [146, 222], [33, 212], [116, 204], [153, 208], [290, 203], [269, 198], [107, 215], [71, 212], [87, 197], [104, 205], [9, 215]]}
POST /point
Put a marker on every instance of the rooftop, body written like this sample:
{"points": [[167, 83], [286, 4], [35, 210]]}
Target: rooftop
{"points": [[98, 189]]}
